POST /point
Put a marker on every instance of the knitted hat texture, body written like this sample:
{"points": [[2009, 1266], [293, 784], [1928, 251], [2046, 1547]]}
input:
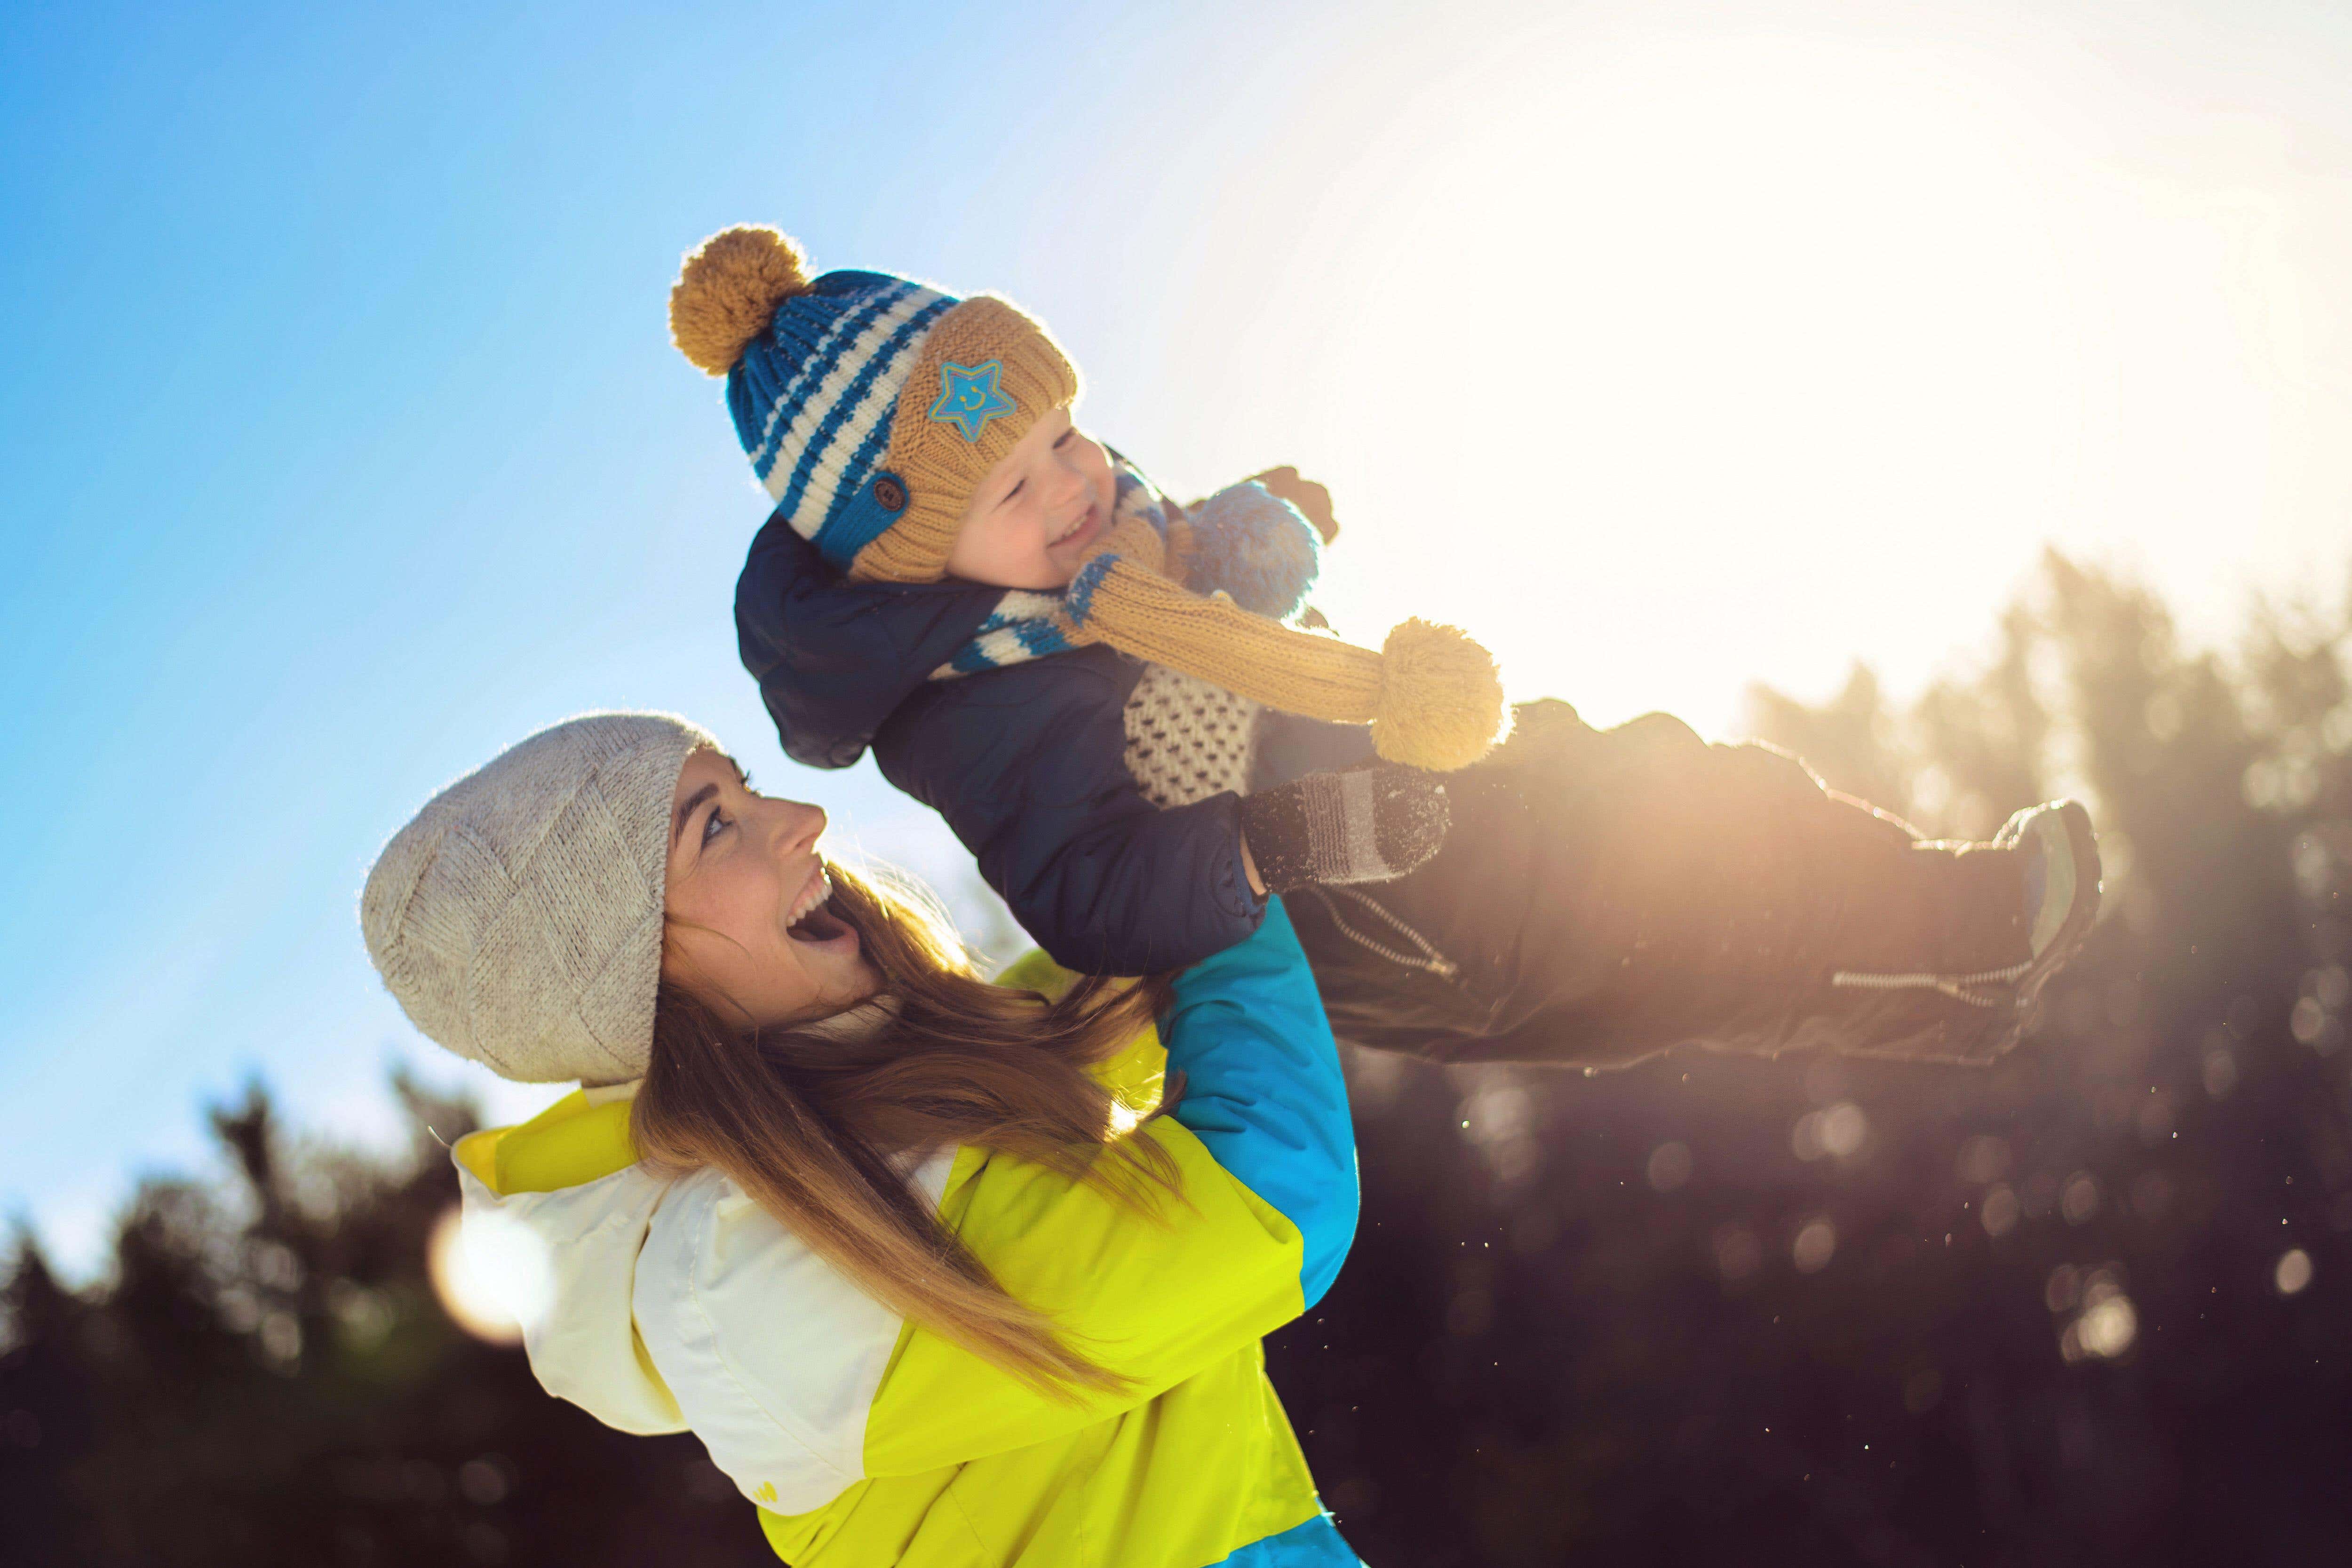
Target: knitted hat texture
{"points": [[871, 407], [517, 918]]}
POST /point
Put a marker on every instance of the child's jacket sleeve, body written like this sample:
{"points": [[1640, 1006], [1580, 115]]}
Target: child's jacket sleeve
{"points": [[1028, 766], [835, 659], [1266, 1152]]}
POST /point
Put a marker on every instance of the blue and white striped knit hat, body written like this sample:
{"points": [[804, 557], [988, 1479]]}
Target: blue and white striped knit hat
{"points": [[871, 407]]}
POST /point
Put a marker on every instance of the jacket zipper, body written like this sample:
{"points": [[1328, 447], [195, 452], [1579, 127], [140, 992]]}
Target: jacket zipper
{"points": [[1429, 959]]}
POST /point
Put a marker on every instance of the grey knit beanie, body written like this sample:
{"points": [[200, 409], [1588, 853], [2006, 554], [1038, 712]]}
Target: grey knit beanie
{"points": [[518, 919]]}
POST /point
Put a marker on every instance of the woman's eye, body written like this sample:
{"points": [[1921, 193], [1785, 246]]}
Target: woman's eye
{"points": [[717, 820]]}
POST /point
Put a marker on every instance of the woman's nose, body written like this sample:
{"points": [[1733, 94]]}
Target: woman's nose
{"points": [[798, 826]]}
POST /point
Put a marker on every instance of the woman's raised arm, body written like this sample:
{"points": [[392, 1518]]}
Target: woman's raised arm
{"points": [[1266, 1155]]}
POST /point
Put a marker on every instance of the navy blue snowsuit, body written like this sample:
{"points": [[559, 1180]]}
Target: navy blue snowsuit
{"points": [[1601, 896]]}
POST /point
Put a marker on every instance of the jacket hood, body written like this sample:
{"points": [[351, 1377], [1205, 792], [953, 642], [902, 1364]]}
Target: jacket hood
{"points": [[836, 658], [558, 1209], [665, 1306]]}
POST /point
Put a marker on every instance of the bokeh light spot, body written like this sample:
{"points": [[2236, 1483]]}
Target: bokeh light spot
{"points": [[1815, 1244], [2063, 1288], [2221, 1073], [2107, 1327], [492, 1276], [1999, 1212], [1843, 1128], [1984, 1159], [2292, 1273], [2079, 1201]]}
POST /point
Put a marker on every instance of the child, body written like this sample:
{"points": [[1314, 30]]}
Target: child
{"points": [[1096, 689]]}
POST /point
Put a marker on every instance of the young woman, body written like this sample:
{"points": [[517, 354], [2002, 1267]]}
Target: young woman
{"points": [[932, 1266]]}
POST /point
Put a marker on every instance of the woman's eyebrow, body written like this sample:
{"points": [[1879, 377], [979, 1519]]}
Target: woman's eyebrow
{"points": [[685, 809]]}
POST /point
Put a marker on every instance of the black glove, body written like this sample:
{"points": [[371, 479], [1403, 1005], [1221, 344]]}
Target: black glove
{"points": [[1366, 825]]}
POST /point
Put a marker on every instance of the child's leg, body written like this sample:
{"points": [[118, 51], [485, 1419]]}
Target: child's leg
{"points": [[1604, 895]]}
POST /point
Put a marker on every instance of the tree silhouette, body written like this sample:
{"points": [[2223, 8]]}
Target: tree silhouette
{"points": [[2057, 1318]]}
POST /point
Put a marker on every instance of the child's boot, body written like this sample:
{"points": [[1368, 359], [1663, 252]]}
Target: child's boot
{"points": [[2059, 873]]}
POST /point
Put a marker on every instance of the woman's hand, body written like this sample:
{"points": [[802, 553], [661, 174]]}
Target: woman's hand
{"points": [[1313, 502]]}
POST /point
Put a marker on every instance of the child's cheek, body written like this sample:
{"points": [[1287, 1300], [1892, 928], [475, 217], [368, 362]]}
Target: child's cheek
{"points": [[1099, 475]]}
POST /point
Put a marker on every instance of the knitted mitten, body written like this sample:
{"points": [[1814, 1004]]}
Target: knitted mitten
{"points": [[1366, 825], [1254, 547]]}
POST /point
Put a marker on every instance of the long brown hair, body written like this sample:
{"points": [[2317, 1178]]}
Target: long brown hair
{"points": [[809, 1122]]}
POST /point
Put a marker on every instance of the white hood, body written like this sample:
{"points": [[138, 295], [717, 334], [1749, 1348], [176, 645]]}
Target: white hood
{"points": [[582, 1244], [662, 1306]]}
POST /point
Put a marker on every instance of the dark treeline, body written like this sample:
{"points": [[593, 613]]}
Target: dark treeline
{"points": [[2088, 1305]]}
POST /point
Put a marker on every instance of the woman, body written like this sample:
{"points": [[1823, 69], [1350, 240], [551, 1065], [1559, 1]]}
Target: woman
{"points": [[928, 1264]]}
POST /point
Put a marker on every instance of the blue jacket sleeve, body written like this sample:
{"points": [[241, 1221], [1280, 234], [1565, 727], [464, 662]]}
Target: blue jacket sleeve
{"points": [[1028, 766], [1263, 1089]]}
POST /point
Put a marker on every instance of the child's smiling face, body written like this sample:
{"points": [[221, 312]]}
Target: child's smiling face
{"points": [[1033, 518]]}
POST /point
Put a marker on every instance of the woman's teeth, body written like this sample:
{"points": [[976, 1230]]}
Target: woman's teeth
{"points": [[810, 902]]}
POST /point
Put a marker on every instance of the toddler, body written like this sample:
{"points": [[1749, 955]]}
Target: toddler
{"points": [[1117, 704]]}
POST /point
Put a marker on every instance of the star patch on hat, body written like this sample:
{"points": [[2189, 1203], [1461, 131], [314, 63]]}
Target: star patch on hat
{"points": [[969, 397]]}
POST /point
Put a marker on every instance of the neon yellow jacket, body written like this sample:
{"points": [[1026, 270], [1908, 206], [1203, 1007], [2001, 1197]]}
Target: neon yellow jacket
{"points": [[865, 1440]]}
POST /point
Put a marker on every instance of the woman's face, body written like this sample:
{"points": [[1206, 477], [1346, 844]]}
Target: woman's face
{"points": [[747, 933]]}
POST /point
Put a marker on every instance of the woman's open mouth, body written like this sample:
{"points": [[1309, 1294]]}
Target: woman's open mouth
{"points": [[812, 921]]}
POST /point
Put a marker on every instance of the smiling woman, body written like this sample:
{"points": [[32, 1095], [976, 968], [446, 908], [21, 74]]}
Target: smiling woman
{"points": [[747, 929], [934, 1267]]}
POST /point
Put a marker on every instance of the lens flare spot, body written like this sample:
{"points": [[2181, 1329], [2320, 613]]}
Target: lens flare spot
{"points": [[2292, 1273], [1816, 1244], [493, 1275]]}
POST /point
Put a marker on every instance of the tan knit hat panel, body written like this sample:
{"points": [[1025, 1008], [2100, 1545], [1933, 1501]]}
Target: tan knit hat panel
{"points": [[517, 918], [940, 468]]}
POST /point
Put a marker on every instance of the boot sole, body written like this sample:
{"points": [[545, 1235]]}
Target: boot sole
{"points": [[1993, 1033], [2076, 927]]}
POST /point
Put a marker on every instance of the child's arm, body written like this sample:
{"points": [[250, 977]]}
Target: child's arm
{"points": [[1028, 766]]}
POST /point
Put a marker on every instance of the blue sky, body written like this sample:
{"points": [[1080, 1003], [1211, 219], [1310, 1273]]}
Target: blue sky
{"points": [[1670, 346]]}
